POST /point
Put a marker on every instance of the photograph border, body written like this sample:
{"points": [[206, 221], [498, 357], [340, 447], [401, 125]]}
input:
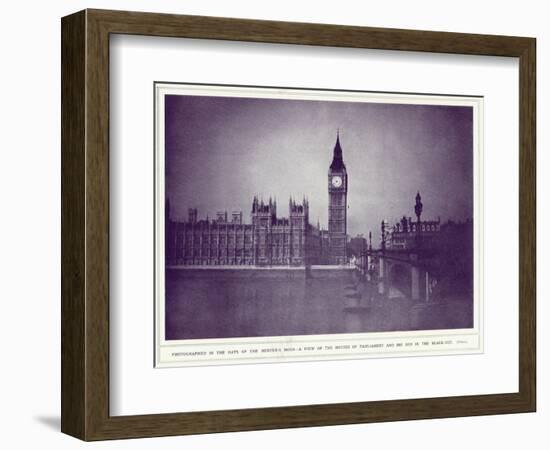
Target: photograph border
{"points": [[85, 224], [162, 88]]}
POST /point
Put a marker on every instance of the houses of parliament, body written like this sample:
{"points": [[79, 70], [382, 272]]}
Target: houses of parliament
{"points": [[267, 240]]}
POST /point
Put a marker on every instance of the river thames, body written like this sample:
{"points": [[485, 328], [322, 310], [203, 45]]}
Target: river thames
{"points": [[218, 303]]}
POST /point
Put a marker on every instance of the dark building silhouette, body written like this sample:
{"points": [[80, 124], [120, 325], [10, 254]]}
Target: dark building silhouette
{"points": [[268, 240], [408, 233]]}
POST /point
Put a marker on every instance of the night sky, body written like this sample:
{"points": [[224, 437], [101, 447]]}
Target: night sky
{"points": [[220, 152]]}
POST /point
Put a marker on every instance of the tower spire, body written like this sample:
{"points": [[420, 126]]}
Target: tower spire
{"points": [[337, 157]]}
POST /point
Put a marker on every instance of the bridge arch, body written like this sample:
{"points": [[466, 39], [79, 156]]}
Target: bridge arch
{"points": [[398, 274], [400, 279]]}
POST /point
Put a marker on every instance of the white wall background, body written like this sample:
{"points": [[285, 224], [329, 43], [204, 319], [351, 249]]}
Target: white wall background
{"points": [[30, 221]]}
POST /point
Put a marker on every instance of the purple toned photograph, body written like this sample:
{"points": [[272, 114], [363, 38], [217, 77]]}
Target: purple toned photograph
{"points": [[293, 217]]}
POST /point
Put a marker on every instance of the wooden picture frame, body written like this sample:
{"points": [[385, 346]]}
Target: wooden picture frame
{"points": [[85, 224]]}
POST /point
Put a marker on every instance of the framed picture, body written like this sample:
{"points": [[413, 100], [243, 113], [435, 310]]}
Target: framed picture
{"points": [[271, 224]]}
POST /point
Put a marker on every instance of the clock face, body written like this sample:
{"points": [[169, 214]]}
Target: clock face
{"points": [[337, 181]]}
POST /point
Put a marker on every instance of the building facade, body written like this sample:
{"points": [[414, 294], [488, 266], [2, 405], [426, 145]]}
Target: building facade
{"points": [[267, 241]]}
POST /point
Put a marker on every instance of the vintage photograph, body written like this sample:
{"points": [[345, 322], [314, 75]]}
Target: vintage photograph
{"points": [[303, 214]]}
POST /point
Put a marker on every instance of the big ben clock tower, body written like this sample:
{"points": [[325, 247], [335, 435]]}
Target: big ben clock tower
{"points": [[337, 206]]}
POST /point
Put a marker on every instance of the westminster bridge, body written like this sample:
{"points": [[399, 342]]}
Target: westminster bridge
{"points": [[398, 273]]}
